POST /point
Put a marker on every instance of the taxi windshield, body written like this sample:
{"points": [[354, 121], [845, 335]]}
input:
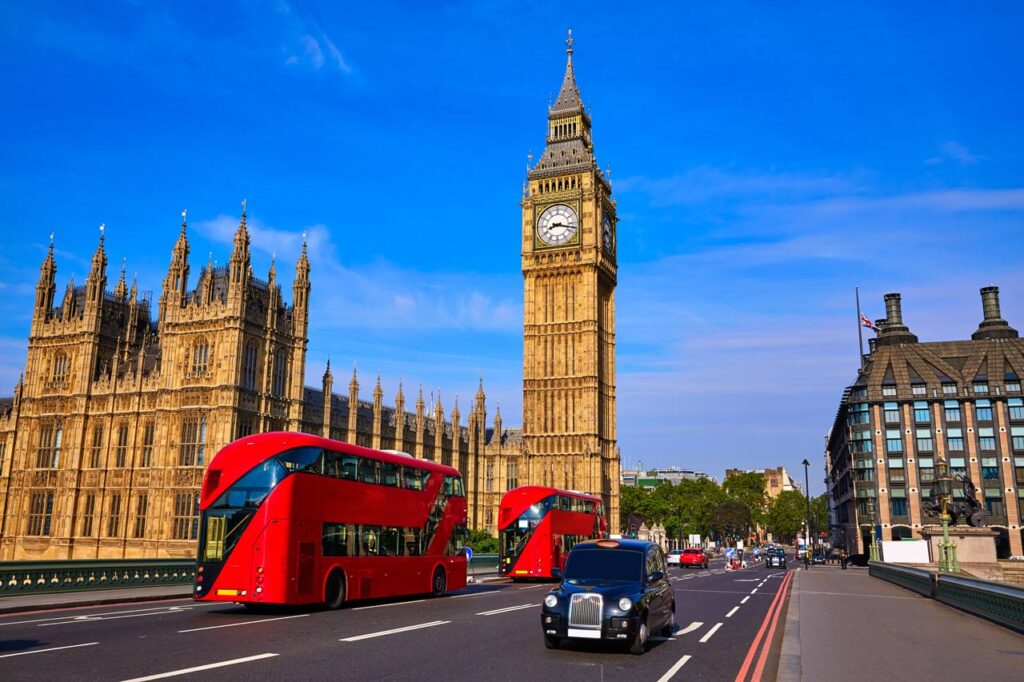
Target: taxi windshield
{"points": [[588, 565]]}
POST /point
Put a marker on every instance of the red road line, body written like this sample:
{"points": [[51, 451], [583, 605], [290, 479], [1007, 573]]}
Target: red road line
{"points": [[764, 626], [771, 633]]}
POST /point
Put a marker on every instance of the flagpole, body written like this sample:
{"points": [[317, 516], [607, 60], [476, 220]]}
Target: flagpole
{"points": [[860, 331]]}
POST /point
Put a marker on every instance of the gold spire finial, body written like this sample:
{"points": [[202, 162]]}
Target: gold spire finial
{"points": [[103, 227], [51, 239]]}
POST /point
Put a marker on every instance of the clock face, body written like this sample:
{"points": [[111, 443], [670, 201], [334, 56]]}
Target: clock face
{"points": [[607, 232], [557, 225]]}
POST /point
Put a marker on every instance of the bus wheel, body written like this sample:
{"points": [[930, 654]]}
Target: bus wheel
{"points": [[334, 594], [439, 583]]}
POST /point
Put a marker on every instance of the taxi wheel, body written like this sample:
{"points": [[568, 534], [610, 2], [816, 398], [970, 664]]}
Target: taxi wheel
{"points": [[636, 647], [551, 642], [670, 626]]}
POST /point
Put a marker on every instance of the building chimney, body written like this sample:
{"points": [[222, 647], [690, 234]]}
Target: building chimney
{"points": [[893, 331], [993, 326]]}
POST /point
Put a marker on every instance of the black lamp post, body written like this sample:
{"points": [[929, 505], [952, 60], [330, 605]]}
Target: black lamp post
{"points": [[807, 495]]}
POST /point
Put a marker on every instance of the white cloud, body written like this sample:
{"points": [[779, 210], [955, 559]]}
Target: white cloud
{"points": [[954, 151]]}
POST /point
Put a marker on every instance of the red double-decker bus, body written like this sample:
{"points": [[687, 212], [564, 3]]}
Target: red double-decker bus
{"points": [[290, 518], [537, 526]]}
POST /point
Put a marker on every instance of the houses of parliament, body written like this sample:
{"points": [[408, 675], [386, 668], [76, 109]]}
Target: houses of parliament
{"points": [[121, 406]]}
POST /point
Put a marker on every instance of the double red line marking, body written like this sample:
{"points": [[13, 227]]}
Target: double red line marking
{"points": [[771, 619]]}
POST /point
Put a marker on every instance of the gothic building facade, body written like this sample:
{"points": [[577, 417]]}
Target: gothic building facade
{"points": [[121, 407]]}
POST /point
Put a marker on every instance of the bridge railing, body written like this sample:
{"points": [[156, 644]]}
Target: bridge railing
{"points": [[915, 579], [25, 577], [998, 602], [35, 577]]}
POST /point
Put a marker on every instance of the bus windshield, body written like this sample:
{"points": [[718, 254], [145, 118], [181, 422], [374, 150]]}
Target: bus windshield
{"points": [[230, 513], [515, 536]]}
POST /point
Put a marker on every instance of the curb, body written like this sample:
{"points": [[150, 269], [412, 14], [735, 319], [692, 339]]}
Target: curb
{"points": [[96, 601], [790, 669]]}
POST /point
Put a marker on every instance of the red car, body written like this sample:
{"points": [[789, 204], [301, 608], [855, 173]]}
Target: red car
{"points": [[693, 557]]}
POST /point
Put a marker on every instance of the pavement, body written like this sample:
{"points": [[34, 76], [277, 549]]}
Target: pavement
{"points": [[846, 625], [729, 628]]}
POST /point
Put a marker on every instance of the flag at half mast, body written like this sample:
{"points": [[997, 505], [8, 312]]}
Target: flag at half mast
{"points": [[865, 322]]}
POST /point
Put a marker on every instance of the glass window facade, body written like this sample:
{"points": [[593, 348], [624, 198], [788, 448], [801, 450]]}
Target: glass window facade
{"points": [[952, 410], [983, 410], [922, 415], [893, 440], [892, 413]]}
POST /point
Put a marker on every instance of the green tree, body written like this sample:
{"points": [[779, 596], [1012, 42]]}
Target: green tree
{"points": [[819, 513], [483, 542], [786, 515], [748, 490]]}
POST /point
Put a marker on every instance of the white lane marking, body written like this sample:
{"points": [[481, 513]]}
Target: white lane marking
{"points": [[674, 669], [394, 631], [695, 625], [533, 587], [208, 666], [245, 622], [380, 606], [753, 591], [55, 648], [475, 594], [745, 580], [506, 609], [94, 619], [744, 600], [711, 632], [734, 610], [92, 616]]}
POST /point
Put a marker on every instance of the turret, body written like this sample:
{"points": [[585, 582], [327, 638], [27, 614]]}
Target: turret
{"points": [[353, 406], [96, 282], [239, 264], [378, 412], [400, 417], [328, 387], [121, 290], [894, 331], [176, 281], [47, 285]]}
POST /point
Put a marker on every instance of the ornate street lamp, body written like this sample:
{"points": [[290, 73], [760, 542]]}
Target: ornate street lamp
{"points": [[873, 552], [944, 486]]}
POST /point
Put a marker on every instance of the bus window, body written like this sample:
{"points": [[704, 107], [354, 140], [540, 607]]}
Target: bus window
{"points": [[414, 478], [332, 464], [369, 540], [337, 539], [411, 538], [390, 474], [457, 540], [349, 465], [302, 459], [250, 489], [390, 541], [564, 503], [368, 470], [453, 486]]}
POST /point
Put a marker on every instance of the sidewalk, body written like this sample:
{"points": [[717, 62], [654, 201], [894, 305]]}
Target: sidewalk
{"points": [[846, 625], [62, 600]]}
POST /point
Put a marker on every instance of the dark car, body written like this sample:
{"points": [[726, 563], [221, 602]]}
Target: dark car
{"points": [[613, 590], [775, 558]]}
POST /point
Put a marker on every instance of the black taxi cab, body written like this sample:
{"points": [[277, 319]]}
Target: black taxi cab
{"points": [[611, 590]]}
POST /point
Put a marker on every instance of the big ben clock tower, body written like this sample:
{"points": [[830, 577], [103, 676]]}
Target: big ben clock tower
{"points": [[569, 276]]}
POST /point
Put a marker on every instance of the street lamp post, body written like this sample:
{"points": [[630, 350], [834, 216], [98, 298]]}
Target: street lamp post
{"points": [[807, 496], [947, 550], [873, 552]]}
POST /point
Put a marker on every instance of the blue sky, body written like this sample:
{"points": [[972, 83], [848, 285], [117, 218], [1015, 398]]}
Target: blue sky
{"points": [[765, 159]]}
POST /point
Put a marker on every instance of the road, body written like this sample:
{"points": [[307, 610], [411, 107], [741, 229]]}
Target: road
{"points": [[489, 631]]}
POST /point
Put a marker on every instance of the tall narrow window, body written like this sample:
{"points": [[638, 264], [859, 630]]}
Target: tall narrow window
{"points": [[511, 475], [3, 451], [114, 517], [148, 431], [249, 366], [121, 453], [280, 364], [88, 513], [141, 504], [40, 513], [60, 367], [185, 524], [193, 441], [48, 454], [489, 479], [200, 357], [97, 446]]}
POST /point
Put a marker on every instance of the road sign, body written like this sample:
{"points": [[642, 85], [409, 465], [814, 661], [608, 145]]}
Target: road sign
{"points": [[730, 552], [469, 553]]}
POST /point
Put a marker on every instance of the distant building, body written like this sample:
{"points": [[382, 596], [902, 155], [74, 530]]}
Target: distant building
{"points": [[775, 480], [649, 478], [913, 404]]}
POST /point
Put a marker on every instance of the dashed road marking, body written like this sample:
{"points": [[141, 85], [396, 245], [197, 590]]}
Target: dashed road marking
{"points": [[245, 622], [394, 631], [674, 669], [753, 591], [744, 600], [209, 666], [695, 625], [54, 648], [734, 610], [506, 609], [380, 606], [710, 634]]}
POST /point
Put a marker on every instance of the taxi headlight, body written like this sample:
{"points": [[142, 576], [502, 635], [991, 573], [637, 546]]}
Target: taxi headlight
{"points": [[551, 601], [625, 604]]}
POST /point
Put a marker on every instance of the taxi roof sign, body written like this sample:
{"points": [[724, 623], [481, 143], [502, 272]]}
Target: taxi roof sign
{"points": [[609, 544]]}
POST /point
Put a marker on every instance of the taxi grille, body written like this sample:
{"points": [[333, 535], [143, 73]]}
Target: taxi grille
{"points": [[585, 610]]}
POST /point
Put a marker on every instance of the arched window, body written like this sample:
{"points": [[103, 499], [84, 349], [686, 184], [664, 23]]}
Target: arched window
{"points": [[200, 357], [280, 367]]}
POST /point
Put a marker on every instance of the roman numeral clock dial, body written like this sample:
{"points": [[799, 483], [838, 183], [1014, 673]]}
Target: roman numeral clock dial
{"points": [[557, 225]]}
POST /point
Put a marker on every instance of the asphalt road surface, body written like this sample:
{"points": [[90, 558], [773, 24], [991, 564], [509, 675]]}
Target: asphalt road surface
{"points": [[489, 631]]}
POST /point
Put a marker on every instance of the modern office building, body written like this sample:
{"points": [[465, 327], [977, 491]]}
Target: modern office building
{"points": [[915, 403]]}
